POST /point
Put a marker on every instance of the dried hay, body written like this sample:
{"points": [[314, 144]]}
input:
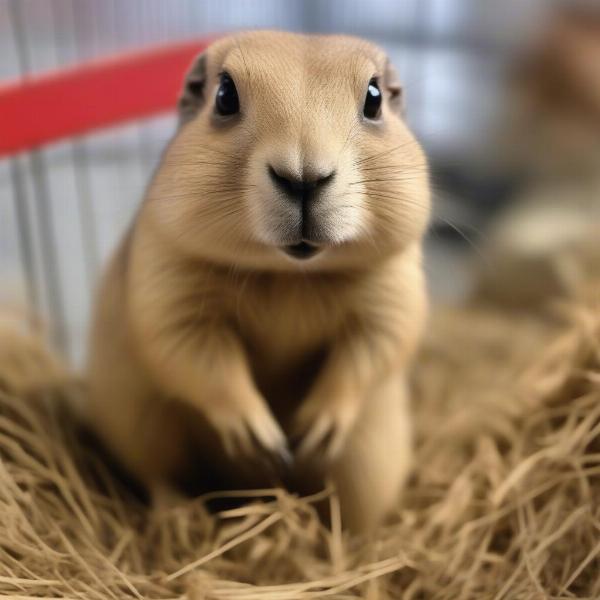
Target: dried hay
{"points": [[504, 502]]}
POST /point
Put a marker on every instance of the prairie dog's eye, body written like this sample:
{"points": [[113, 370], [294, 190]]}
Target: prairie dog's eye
{"points": [[227, 101], [372, 108]]}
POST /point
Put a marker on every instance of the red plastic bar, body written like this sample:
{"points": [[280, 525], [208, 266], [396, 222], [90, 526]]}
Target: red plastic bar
{"points": [[41, 109]]}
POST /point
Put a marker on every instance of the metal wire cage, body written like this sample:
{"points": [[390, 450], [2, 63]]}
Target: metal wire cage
{"points": [[65, 201]]}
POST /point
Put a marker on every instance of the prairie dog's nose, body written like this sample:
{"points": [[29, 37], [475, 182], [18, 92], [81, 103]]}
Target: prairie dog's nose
{"points": [[298, 188]]}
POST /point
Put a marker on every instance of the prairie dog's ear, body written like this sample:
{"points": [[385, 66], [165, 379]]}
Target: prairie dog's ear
{"points": [[391, 81], [193, 95]]}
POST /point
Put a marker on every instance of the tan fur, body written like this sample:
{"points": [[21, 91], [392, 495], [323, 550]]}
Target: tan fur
{"points": [[28, 366], [211, 347]]}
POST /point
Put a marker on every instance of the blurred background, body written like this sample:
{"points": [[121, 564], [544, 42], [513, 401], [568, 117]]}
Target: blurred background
{"points": [[505, 97]]}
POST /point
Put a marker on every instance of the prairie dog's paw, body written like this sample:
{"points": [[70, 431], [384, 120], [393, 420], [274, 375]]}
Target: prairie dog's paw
{"points": [[322, 425], [248, 428]]}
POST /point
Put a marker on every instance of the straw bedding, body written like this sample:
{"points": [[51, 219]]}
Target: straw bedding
{"points": [[504, 501]]}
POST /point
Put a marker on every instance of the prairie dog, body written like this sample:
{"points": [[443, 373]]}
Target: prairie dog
{"points": [[545, 244], [269, 295]]}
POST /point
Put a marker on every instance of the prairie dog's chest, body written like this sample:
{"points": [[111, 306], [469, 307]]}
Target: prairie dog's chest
{"points": [[283, 318]]}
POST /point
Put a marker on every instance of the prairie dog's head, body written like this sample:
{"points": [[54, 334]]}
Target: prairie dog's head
{"points": [[292, 152]]}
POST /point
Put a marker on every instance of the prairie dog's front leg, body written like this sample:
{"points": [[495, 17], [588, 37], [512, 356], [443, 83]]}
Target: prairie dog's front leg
{"points": [[376, 343], [357, 415], [194, 355], [211, 373], [332, 407]]}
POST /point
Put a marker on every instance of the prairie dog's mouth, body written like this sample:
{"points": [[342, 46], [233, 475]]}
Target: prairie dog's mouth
{"points": [[302, 251]]}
